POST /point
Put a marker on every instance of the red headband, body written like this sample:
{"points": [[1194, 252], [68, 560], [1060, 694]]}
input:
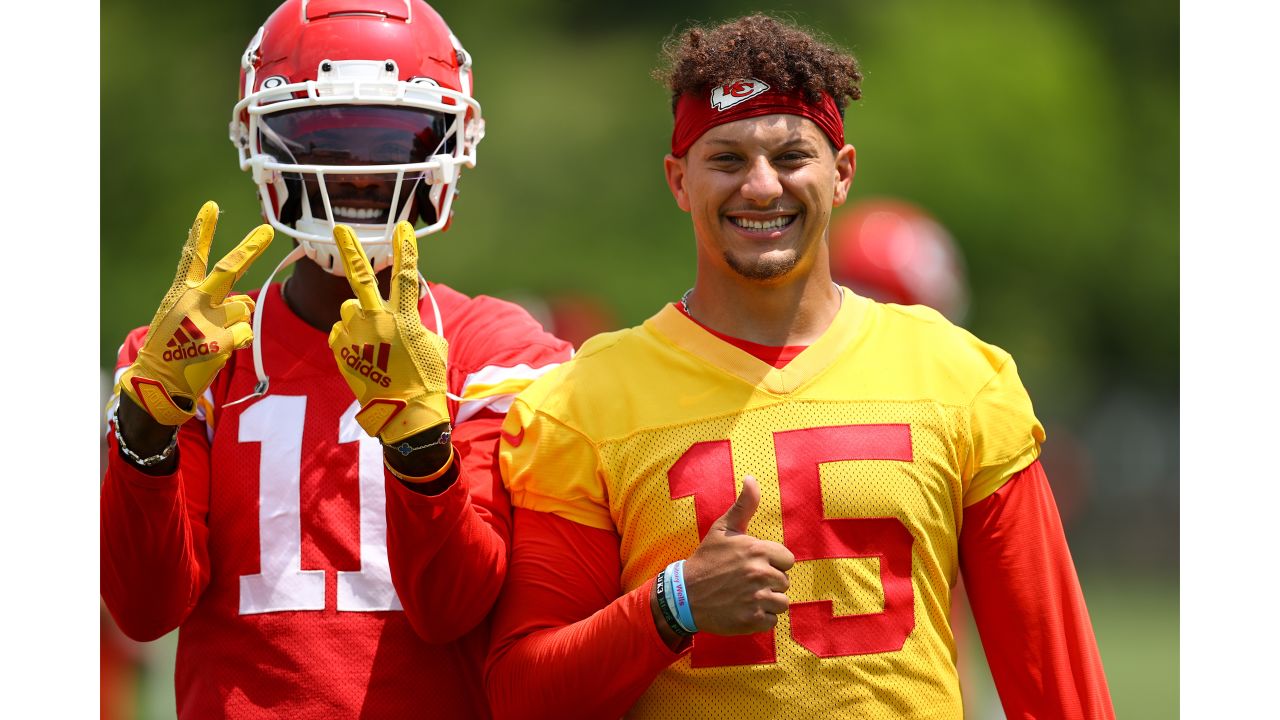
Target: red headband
{"points": [[748, 98]]}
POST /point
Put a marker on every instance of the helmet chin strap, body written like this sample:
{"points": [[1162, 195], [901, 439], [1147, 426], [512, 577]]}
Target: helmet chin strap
{"points": [[424, 288], [264, 382]]}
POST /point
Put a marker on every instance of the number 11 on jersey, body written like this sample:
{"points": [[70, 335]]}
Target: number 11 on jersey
{"points": [[281, 584]]}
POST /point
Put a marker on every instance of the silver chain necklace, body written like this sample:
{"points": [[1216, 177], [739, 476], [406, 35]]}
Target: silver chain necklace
{"points": [[684, 299]]}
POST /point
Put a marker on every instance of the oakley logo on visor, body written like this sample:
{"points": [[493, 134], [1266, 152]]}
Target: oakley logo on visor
{"points": [[735, 91]]}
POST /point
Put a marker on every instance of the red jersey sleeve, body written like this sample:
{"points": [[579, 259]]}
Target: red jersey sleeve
{"points": [[154, 533], [448, 552], [566, 643], [1028, 606]]}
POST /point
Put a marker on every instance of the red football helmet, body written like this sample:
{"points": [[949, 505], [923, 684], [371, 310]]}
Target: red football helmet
{"points": [[892, 251], [356, 112]]}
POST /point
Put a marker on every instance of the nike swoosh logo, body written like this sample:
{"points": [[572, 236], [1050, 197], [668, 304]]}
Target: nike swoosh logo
{"points": [[513, 440]]}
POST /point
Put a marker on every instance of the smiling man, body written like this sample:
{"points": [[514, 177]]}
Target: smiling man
{"points": [[755, 504]]}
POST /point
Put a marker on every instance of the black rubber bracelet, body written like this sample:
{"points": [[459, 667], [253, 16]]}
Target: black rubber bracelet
{"points": [[660, 589]]}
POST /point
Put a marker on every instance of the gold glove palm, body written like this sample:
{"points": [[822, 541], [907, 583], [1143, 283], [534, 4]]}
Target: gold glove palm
{"points": [[197, 326], [394, 365]]}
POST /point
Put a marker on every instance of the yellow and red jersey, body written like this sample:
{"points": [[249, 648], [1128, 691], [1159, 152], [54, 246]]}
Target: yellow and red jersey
{"points": [[868, 446]]}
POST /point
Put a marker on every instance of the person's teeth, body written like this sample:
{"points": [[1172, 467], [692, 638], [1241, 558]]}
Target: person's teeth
{"points": [[355, 213], [770, 224]]}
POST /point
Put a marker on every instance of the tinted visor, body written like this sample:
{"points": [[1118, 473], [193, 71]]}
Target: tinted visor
{"points": [[356, 135], [347, 135]]}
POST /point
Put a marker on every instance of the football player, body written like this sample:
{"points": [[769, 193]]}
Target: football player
{"points": [[313, 500], [755, 505], [893, 251]]}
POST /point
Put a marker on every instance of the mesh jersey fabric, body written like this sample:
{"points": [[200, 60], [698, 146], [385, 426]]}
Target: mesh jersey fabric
{"points": [[867, 447], [578, 649], [269, 547]]}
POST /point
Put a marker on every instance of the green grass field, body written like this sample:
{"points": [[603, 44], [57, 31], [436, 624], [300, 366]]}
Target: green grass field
{"points": [[1135, 620], [1136, 623]]}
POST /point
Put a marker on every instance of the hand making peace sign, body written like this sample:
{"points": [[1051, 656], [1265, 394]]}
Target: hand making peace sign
{"points": [[394, 365], [197, 326]]}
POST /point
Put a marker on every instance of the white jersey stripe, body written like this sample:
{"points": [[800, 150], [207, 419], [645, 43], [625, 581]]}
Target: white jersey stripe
{"points": [[497, 374], [494, 387]]}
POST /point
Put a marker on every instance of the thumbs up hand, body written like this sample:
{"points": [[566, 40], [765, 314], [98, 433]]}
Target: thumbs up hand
{"points": [[736, 582]]}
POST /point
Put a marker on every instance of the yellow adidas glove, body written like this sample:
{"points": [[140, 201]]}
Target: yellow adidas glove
{"points": [[394, 365], [197, 326]]}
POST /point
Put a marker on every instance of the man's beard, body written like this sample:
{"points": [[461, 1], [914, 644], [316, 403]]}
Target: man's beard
{"points": [[768, 267]]}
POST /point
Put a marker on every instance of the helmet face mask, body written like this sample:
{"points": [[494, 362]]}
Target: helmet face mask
{"points": [[367, 137]]}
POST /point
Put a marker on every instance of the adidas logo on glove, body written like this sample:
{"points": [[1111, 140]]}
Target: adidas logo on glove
{"points": [[178, 347], [360, 359]]}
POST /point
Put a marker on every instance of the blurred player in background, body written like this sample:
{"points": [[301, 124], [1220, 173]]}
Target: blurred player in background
{"points": [[314, 501], [755, 505], [571, 316], [892, 251], [119, 672]]}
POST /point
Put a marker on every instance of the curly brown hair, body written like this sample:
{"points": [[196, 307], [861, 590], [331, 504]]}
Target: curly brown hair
{"points": [[785, 56]]}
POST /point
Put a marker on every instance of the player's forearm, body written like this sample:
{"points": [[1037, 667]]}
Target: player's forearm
{"points": [[564, 643], [151, 572], [448, 558], [1028, 605], [596, 667]]}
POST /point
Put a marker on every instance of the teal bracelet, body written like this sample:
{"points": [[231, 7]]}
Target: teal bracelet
{"points": [[660, 589], [679, 596]]}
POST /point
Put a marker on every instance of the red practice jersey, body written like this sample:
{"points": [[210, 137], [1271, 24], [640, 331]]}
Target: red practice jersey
{"points": [[269, 546]]}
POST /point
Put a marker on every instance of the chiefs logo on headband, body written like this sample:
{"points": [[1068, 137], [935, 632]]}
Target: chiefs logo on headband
{"points": [[736, 91], [697, 112]]}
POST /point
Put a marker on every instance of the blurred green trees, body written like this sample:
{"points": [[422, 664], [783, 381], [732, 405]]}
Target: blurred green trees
{"points": [[1043, 134]]}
